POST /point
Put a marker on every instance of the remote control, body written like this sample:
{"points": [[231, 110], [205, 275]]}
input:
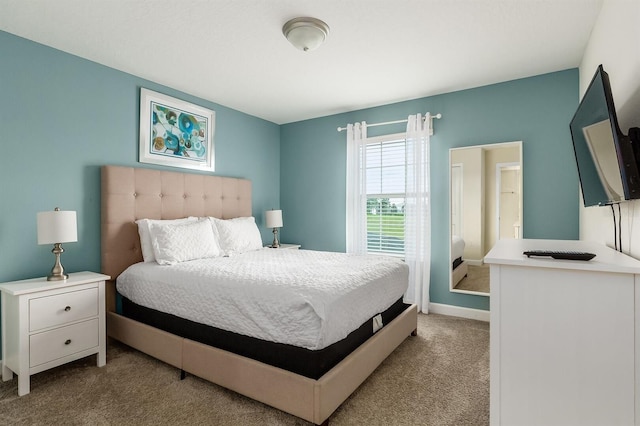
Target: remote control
{"points": [[569, 255]]}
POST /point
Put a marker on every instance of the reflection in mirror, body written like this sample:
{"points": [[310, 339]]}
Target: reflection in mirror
{"points": [[486, 205]]}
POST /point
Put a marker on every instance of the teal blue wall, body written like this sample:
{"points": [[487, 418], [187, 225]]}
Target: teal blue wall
{"points": [[534, 110], [61, 118]]}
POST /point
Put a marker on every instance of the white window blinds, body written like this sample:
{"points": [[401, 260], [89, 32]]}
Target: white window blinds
{"points": [[385, 165]]}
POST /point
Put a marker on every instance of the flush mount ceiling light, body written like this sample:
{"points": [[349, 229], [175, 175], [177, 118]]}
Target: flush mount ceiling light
{"points": [[305, 33]]}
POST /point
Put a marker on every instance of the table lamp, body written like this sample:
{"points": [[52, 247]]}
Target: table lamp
{"points": [[57, 227], [274, 220]]}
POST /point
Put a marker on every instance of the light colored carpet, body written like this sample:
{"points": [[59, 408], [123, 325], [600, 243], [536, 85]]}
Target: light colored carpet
{"points": [[440, 377], [477, 279]]}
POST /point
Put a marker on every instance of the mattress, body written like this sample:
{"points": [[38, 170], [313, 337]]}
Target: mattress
{"points": [[308, 299], [308, 363]]}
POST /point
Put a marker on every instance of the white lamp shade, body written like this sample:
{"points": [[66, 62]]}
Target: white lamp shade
{"points": [[273, 218], [57, 227]]}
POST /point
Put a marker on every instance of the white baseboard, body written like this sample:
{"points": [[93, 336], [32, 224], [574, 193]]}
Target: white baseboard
{"points": [[458, 311]]}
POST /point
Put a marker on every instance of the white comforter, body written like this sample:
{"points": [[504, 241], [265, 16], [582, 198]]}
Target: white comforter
{"points": [[304, 298], [457, 247]]}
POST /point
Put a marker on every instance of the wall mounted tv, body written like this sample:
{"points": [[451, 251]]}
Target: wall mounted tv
{"points": [[607, 159]]}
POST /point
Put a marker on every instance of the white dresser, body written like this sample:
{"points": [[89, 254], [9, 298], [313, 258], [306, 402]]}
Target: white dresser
{"points": [[565, 349], [49, 323]]}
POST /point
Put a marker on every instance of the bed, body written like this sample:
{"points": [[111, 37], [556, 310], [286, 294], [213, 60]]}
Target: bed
{"points": [[459, 268], [129, 194]]}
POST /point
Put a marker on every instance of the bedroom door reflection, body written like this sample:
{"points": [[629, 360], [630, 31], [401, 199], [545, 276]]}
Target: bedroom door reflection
{"points": [[485, 206], [508, 196]]}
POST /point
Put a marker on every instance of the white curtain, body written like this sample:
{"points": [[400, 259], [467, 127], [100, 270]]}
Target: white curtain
{"points": [[417, 227], [356, 189], [417, 219]]}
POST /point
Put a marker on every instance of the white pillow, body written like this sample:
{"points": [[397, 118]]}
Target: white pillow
{"points": [[145, 236], [174, 243], [238, 235]]}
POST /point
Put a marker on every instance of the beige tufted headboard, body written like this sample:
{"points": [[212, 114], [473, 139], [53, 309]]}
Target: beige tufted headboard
{"points": [[130, 193]]}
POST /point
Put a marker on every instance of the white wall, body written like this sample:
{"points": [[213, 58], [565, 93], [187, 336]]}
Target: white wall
{"points": [[510, 154], [615, 43], [473, 207]]}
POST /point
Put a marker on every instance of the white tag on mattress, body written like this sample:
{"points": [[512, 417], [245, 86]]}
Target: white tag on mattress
{"points": [[377, 322]]}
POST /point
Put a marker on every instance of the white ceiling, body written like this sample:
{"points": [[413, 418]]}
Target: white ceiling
{"points": [[232, 52]]}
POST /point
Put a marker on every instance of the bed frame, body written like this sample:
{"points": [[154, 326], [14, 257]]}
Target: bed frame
{"points": [[458, 273], [131, 193]]}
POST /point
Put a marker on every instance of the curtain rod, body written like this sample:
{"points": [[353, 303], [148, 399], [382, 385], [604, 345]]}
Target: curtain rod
{"points": [[436, 116]]}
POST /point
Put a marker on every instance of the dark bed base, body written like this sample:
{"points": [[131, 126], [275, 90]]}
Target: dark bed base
{"points": [[308, 363]]}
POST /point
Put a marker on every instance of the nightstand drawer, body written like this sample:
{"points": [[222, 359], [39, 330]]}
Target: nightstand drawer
{"points": [[51, 311], [63, 341]]}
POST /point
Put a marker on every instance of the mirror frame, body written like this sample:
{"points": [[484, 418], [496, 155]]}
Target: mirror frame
{"points": [[450, 233]]}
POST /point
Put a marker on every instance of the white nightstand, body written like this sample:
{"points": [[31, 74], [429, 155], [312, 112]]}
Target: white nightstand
{"points": [[49, 323], [288, 246]]}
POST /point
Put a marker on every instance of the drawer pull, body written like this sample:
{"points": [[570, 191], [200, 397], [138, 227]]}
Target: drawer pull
{"points": [[68, 342], [67, 309]]}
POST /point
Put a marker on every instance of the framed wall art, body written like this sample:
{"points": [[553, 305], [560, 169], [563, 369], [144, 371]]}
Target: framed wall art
{"points": [[175, 133]]}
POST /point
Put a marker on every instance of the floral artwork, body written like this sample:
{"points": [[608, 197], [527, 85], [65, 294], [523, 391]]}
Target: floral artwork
{"points": [[175, 133]]}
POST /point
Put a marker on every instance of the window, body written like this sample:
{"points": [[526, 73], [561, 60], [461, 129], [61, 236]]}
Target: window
{"points": [[385, 165], [388, 209]]}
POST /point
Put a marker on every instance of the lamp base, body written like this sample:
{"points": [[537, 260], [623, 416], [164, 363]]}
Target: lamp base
{"points": [[57, 277], [57, 272], [275, 243]]}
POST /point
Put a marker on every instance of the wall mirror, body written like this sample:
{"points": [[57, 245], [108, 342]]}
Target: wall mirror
{"points": [[485, 206]]}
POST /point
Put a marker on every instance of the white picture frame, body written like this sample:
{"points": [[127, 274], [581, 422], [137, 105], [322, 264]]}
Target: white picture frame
{"points": [[175, 133]]}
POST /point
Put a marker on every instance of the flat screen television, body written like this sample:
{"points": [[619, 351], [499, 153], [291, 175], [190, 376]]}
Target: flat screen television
{"points": [[607, 159]]}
